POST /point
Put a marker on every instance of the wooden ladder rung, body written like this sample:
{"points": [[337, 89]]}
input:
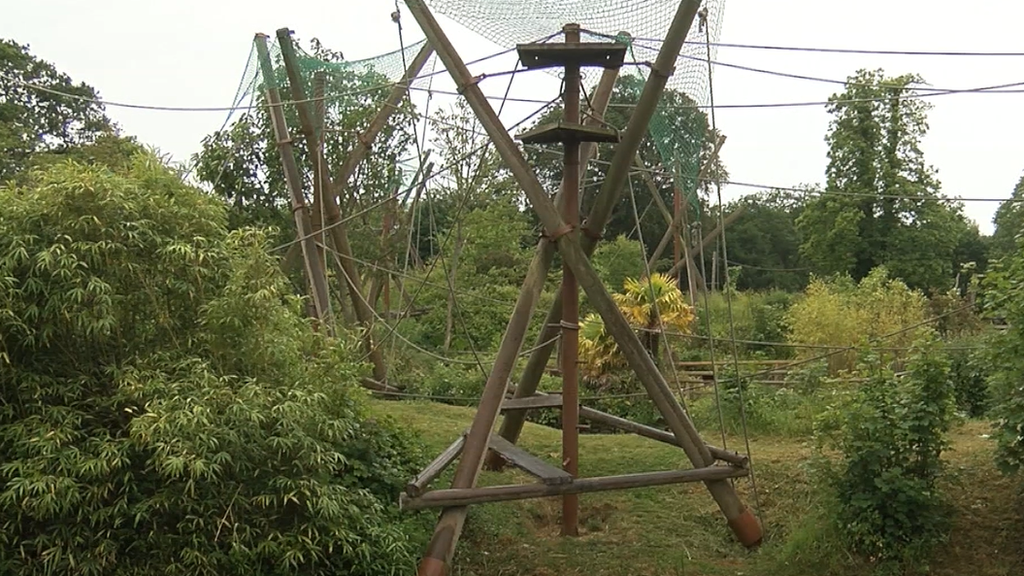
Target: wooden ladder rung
{"points": [[548, 473], [531, 402]]}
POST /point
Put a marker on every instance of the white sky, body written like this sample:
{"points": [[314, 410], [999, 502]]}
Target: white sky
{"points": [[191, 53]]}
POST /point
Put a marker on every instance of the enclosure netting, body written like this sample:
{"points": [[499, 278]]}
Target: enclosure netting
{"points": [[373, 76], [509, 22]]}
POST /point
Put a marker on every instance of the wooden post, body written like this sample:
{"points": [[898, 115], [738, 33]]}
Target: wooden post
{"points": [[339, 232], [677, 247], [691, 269], [320, 119], [314, 271], [570, 294], [513, 423], [740, 519]]}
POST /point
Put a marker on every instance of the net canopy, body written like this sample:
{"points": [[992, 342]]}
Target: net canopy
{"points": [[679, 143], [355, 88]]}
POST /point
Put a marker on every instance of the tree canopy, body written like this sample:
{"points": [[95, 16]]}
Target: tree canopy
{"points": [[42, 109], [881, 202]]}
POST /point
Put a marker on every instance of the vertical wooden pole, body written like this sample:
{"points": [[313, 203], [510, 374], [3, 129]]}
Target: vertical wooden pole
{"points": [[714, 270], [320, 120], [676, 245], [513, 421], [684, 238], [570, 294], [314, 271]]}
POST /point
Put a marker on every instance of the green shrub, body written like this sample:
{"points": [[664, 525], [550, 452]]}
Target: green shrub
{"points": [[1003, 299], [969, 371], [890, 437], [164, 407], [839, 312]]}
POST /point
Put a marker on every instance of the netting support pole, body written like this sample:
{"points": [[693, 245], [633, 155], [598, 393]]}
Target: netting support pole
{"points": [[607, 198], [674, 225], [570, 293], [666, 214], [334, 222], [315, 276]]}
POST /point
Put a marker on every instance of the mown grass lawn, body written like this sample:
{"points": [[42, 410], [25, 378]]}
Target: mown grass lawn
{"points": [[679, 530]]}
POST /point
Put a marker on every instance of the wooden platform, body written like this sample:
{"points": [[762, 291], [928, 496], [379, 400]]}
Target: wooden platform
{"points": [[567, 132], [556, 54]]}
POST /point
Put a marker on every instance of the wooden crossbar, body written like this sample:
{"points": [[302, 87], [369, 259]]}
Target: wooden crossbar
{"points": [[467, 496]]}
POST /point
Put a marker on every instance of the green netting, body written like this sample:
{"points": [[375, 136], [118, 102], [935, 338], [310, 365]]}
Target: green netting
{"points": [[386, 68], [508, 22], [369, 78]]}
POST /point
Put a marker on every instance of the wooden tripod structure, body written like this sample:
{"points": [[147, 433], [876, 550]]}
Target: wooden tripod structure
{"points": [[575, 244]]}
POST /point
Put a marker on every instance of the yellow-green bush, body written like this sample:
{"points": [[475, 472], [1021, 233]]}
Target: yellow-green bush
{"points": [[840, 313]]}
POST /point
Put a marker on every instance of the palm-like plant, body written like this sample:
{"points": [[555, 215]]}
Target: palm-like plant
{"points": [[598, 352], [651, 305]]}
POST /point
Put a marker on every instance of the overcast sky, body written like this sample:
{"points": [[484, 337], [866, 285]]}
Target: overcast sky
{"points": [[192, 53]]}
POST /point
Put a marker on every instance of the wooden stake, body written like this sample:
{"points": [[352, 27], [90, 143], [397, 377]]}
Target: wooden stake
{"points": [[304, 229], [467, 496]]}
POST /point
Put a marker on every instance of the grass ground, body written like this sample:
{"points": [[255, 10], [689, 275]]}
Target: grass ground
{"points": [[678, 530]]}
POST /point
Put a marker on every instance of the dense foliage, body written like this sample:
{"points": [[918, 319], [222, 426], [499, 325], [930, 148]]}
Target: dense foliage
{"points": [[1004, 300], [881, 205], [838, 314], [890, 437], [164, 408], [53, 115]]}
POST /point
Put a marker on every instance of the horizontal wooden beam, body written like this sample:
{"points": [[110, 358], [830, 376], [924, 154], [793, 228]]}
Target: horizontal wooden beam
{"points": [[655, 434], [467, 496], [531, 402], [417, 485], [548, 473]]}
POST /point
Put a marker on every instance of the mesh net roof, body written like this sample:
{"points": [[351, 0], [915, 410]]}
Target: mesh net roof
{"points": [[510, 22], [389, 67]]}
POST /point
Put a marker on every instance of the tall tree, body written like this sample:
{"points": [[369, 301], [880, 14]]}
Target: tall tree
{"points": [[765, 244], [42, 110], [881, 204], [1009, 221]]}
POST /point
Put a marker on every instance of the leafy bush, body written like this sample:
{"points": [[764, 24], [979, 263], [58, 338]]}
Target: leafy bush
{"points": [[164, 408], [890, 437], [969, 371], [838, 312], [1003, 299]]}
